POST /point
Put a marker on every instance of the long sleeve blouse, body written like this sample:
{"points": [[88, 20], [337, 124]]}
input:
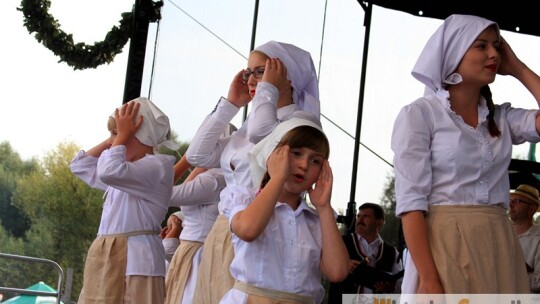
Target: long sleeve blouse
{"points": [[208, 150], [286, 256], [137, 198], [439, 159], [199, 200]]}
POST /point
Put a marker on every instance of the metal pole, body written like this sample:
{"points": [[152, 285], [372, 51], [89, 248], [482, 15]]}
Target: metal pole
{"points": [[137, 50], [252, 46], [351, 206]]}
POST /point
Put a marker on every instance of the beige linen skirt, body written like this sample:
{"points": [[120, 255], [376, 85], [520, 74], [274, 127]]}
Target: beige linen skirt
{"points": [[214, 278], [179, 270], [476, 250], [259, 295], [104, 271]]}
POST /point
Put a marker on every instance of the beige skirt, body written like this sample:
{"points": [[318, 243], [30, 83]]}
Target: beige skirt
{"points": [[179, 270], [104, 271], [476, 250], [259, 295], [214, 278]]}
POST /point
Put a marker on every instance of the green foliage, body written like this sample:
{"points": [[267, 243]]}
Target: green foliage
{"points": [[390, 230], [183, 146], [37, 19], [12, 167], [63, 215]]}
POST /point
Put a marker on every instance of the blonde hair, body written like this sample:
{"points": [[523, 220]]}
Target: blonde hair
{"points": [[111, 123]]}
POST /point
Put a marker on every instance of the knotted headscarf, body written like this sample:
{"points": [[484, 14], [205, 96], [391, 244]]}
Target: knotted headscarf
{"points": [[300, 71], [258, 155], [155, 130], [444, 50]]}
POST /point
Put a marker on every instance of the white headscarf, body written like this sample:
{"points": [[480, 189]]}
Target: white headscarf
{"points": [[155, 130], [300, 71], [179, 215], [445, 49], [258, 155]]}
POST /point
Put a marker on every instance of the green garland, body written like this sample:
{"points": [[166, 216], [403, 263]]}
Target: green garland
{"points": [[79, 56]]}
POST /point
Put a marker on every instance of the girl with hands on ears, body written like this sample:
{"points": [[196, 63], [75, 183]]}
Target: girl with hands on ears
{"points": [[281, 82], [282, 245]]}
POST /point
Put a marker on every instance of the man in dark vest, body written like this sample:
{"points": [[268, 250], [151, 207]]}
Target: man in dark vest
{"points": [[374, 265]]}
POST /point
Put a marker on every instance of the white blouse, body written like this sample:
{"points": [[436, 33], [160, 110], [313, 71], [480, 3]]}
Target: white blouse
{"points": [[439, 159], [286, 256], [208, 150], [198, 200], [137, 198]]}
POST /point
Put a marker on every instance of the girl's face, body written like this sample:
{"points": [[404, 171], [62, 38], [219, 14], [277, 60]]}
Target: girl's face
{"points": [[304, 168], [480, 63], [113, 132], [254, 71]]}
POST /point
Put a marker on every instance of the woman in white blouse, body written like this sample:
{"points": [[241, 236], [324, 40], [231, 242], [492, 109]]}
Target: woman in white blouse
{"points": [[281, 81], [452, 150]]}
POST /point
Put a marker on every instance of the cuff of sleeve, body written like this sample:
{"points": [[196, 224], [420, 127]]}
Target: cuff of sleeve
{"points": [[224, 110], [268, 89]]}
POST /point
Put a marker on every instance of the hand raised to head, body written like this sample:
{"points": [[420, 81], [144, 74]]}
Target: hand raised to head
{"points": [[510, 63], [239, 91], [278, 163], [126, 122], [275, 73], [321, 193]]}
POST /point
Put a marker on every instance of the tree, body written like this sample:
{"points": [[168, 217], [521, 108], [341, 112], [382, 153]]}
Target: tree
{"points": [[63, 214], [14, 221], [391, 229]]}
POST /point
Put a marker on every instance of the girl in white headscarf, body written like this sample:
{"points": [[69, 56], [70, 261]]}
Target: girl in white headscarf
{"points": [[281, 87], [283, 246], [452, 150], [126, 262]]}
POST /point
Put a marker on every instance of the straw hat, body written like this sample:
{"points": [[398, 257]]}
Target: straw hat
{"points": [[528, 194]]}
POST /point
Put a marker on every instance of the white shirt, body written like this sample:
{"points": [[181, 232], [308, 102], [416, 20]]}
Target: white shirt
{"points": [[198, 200], [438, 159], [265, 112], [530, 243], [371, 250], [208, 150], [286, 256], [137, 198], [170, 245]]}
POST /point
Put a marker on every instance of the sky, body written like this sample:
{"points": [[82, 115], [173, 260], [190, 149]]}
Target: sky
{"points": [[199, 47]]}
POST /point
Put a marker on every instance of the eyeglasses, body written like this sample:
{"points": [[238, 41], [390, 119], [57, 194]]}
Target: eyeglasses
{"points": [[257, 73], [517, 200]]}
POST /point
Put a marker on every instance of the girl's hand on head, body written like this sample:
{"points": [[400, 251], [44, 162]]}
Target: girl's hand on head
{"points": [[278, 163], [275, 73], [510, 63], [127, 122], [239, 91], [321, 193]]}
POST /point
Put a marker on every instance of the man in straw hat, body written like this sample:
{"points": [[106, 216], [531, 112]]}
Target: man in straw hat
{"points": [[524, 203]]}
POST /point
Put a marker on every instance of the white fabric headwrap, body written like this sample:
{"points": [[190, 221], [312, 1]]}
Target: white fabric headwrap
{"points": [[179, 215], [300, 71], [444, 50], [155, 130], [258, 155]]}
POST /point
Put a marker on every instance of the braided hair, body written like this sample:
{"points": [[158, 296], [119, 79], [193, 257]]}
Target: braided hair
{"points": [[492, 126]]}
